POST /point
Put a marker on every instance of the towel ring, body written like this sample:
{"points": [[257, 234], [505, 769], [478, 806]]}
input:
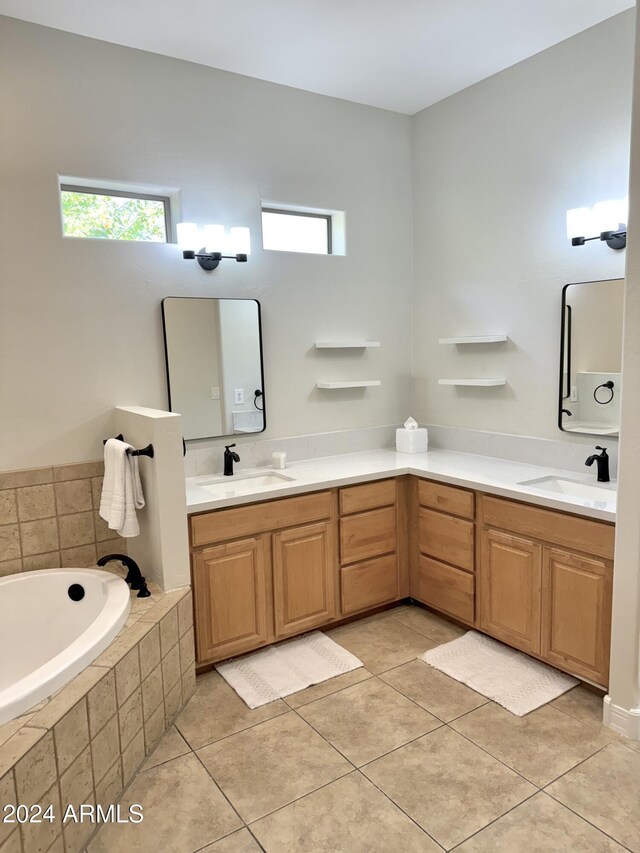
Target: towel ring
{"points": [[609, 386]]}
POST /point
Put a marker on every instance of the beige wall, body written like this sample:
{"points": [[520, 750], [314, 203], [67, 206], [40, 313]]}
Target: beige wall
{"points": [[80, 327], [496, 167], [624, 687]]}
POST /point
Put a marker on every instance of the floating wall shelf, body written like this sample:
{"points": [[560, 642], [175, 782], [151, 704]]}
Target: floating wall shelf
{"points": [[479, 383], [356, 383], [346, 344], [475, 339]]}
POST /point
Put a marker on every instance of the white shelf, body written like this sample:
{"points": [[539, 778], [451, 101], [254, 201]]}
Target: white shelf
{"points": [[479, 383], [346, 344], [475, 339], [361, 383]]}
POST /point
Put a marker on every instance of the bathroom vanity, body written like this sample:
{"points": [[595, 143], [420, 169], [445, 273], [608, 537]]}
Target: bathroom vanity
{"points": [[534, 576]]}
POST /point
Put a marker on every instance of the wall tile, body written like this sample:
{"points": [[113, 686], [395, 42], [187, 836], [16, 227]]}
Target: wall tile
{"points": [[154, 728], [187, 650], [105, 749], [38, 837], [185, 613], [39, 537], [76, 783], [168, 631], [25, 477], [8, 507], [36, 502], [130, 717], [171, 668], [152, 692], [76, 529], [79, 471], [9, 542], [73, 496], [96, 491], [111, 546], [51, 560], [10, 567], [132, 757], [110, 787], [101, 702], [82, 557], [127, 675], [188, 684], [36, 772], [149, 651], [71, 735], [173, 702], [103, 532]]}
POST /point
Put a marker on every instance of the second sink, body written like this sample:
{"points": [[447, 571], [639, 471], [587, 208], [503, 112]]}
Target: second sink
{"points": [[571, 488]]}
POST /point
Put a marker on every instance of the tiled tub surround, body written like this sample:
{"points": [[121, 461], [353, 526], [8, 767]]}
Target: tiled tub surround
{"points": [[85, 743], [49, 518]]}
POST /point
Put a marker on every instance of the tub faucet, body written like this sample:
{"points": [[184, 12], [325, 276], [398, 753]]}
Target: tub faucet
{"points": [[229, 458], [134, 575], [602, 461]]}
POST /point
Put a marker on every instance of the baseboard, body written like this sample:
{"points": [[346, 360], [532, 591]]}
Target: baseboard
{"points": [[625, 722]]}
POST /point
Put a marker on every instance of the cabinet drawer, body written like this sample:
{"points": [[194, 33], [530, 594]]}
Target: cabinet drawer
{"points": [[224, 524], [369, 584], [581, 534], [446, 589], [446, 538], [369, 534], [368, 496], [446, 498]]}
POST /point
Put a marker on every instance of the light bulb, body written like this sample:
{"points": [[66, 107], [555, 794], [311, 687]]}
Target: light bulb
{"points": [[214, 238], [240, 241], [188, 236]]}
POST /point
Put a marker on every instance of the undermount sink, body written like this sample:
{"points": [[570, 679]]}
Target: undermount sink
{"points": [[571, 488], [243, 484]]}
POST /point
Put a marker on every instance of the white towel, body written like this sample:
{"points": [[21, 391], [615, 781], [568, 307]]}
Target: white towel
{"points": [[121, 489]]}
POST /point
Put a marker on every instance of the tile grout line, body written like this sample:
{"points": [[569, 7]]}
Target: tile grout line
{"points": [[570, 808], [497, 819]]}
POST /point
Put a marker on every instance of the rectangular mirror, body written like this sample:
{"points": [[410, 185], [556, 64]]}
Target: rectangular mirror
{"points": [[215, 377], [591, 357]]}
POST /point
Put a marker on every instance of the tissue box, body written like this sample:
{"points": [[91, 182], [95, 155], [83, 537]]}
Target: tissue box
{"points": [[412, 440]]}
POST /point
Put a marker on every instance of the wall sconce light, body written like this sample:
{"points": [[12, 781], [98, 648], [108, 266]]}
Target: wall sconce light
{"points": [[613, 239], [605, 219], [215, 241]]}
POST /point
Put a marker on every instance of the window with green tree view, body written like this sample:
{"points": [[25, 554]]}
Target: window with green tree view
{"points": [[114, 215]]}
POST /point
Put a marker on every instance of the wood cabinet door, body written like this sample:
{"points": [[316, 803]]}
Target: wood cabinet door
{"points": [[510, 589], [304, 566], [230, 599], [576, 613]]}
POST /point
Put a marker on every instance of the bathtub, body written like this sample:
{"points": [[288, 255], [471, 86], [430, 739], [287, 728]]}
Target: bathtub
{"points": [[53, 623]]}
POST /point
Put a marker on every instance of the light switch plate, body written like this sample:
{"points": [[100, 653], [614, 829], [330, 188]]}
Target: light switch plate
{"points": [[215, 393]]}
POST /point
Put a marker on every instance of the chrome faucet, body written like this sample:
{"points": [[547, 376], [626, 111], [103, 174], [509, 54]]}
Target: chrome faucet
{"points": [[602, 461], [229, 458]]}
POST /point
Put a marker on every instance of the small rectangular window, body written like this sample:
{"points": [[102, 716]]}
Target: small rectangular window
{"points": [[114, 215], [296, 231]]}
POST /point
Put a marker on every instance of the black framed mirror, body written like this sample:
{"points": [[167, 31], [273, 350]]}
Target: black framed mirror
{"points": [[591, 357], [215, 372]]}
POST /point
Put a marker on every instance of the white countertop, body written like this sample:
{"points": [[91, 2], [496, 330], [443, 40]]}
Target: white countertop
{"points": [[484, 473]]}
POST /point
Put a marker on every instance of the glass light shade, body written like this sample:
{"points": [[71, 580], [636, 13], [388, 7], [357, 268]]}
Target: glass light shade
{"points": [[214, 238], [188, 236], [609, 215], [240, 241], [580, 222]]}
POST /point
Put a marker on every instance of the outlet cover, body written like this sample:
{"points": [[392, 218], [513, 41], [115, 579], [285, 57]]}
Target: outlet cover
{"points": [[238, 396]]}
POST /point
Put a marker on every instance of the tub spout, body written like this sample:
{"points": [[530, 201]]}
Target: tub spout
{"points": [[134, 575]]}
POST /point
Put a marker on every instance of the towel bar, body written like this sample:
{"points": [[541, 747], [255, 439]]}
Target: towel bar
{"points": [[144, 451]]}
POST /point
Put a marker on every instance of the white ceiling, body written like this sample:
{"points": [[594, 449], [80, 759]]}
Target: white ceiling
{"points": [[401, 55]]}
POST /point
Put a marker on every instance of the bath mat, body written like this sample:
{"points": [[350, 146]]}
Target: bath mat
{"points": [[277, 671], [512, 679]]}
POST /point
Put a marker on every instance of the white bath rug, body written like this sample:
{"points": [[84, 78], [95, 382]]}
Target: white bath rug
{"points": [[281, 670], [512, 679]]}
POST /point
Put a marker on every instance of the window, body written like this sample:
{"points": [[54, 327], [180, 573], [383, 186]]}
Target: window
{"points": [[296, 231], [114, 214]]}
